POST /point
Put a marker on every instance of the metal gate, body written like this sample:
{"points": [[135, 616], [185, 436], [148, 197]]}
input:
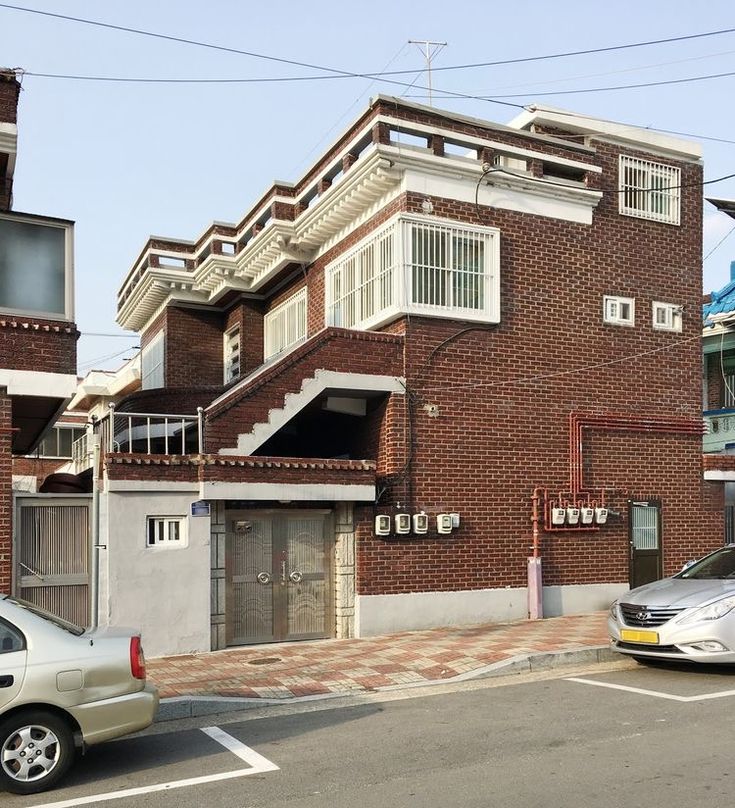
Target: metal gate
{"points": [[52, 554], [278, 576]]}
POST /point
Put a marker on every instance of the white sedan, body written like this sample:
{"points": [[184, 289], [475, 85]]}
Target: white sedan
{"points": [[688, 617], [63, 689]]}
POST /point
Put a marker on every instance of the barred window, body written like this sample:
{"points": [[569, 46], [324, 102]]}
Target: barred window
{"points": [[232, 354], [416, 264], [649, 190]]}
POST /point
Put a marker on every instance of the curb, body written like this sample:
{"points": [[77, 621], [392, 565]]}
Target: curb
{"points": [[178, 707]]}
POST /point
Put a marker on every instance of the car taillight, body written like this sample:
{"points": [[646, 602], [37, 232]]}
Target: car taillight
{"points": [[137, 659]]}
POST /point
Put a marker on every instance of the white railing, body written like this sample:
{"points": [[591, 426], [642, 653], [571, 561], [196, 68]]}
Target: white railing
{"points": [[155, 433], [81, 454], [719, 430]]}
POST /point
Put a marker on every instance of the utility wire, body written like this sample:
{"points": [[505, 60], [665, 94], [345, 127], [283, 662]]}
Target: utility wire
{"points": [[348, 74]]}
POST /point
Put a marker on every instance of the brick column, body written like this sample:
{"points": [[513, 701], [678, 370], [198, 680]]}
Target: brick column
{"points": [[6, 492]]}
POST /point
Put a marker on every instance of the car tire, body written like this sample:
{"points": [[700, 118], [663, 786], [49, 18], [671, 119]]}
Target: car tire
{"points": [[43, 735]]}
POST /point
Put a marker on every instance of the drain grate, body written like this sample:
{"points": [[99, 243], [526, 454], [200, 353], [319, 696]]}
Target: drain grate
{"points": [[269, 660]]}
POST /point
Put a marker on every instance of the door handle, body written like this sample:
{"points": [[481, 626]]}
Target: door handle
{"points": [[264, 577], [6, 681], [296, 577]]}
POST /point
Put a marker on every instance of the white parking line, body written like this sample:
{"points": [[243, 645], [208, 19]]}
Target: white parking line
{"points": [[257, 764], [655, 693]]}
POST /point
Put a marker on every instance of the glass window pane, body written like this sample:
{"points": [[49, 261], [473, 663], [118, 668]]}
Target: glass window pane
{"points": [[32, 267]]}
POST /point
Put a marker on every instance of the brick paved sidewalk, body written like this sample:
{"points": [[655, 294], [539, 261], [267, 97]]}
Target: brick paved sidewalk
{"points": [[285, 670]]}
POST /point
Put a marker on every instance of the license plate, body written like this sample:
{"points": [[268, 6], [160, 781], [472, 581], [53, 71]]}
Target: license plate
{"points": [[633, 635]]}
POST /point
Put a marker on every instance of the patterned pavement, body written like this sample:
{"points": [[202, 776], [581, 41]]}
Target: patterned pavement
{"points": [[286, 670]]}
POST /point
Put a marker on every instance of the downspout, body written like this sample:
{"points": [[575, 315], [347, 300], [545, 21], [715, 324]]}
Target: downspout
{"points": [[535, 584], [94, 537]]}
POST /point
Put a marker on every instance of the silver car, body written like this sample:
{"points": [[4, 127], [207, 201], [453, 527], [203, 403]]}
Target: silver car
{"points": [[63, 689], [688, 617]]}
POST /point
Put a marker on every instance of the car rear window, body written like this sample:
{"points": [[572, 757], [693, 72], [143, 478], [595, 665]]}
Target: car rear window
{"points": [[72, 628]]}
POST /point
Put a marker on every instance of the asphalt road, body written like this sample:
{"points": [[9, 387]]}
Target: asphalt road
{"points": [[617, 736]]}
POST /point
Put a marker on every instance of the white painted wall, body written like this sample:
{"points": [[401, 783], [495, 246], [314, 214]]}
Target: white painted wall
{"points": [[383, 614], [163, 591]]}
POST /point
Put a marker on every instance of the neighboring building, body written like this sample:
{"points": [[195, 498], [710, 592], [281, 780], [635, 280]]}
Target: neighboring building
{"points": [[37, 339], [718, 393], [475, 339]]}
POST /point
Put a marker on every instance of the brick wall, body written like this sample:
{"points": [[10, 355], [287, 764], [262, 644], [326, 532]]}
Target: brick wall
{"points": [[9, 92], [41, 345], [335, 349], [194, 347]]}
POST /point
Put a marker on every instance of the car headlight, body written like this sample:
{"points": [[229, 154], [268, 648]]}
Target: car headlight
{"points": [[614, 610], [713, 611]]}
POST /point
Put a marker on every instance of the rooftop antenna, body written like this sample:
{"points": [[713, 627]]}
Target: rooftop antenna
{"points": [[430, 50]]}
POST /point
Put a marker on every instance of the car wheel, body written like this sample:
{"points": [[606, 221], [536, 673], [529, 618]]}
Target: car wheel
{"points": [[36, 749]]}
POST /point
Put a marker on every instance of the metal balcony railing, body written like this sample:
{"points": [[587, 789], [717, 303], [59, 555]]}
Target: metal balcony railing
{"points": [[154, 433]]}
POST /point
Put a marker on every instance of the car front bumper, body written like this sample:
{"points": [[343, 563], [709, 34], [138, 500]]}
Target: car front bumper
{"points": [[110, 718], [675, 642]]}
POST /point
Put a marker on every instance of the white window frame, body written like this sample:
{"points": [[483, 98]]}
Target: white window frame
{"points": [[232, 350], [55, 430], [165, 529], [377, 280], [611, 308], [672, 316], [153, 363], [285, 325], [649, 190]]}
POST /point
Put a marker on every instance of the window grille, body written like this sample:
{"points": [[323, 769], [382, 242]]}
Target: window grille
{"points": [[416, 265], [447, 266], [649, 190], [285, 326], [362, 283], [152, 364], [232, 354]]}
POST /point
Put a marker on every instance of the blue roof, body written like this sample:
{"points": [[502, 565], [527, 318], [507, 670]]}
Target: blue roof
{"points": [[721, 302]]}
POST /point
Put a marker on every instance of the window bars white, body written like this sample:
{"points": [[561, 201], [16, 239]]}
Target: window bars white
{"points": [[649, 190], [285, 325]]}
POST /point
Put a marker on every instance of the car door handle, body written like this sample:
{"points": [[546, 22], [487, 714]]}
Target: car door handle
{"points": [[6, 681]]}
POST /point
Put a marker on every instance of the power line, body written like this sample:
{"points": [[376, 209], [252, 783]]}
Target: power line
{"points": [[625, 86], [348, 74]]}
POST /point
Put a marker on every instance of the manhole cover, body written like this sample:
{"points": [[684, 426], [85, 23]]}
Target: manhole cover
{"points": [[268, 660]]}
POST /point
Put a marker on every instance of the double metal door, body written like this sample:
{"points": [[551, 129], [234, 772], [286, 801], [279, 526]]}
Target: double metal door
{"points": [[278, 573]]}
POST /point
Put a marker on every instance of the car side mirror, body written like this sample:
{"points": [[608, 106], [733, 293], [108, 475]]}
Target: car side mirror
{"points": [[687, 564]]}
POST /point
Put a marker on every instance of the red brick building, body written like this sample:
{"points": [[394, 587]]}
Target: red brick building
{"points": [[37, 331], [450, 346]]}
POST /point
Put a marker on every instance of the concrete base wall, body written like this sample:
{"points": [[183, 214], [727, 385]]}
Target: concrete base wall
{"points": [[383, 614], [163, 591]]}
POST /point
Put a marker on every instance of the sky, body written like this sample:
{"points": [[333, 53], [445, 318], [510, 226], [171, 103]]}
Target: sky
{"points": [[127, 160]]}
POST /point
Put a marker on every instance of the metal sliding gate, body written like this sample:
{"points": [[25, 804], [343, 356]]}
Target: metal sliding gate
{"points": [[52, 554]]}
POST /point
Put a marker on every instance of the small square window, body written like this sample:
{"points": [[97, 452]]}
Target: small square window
{"points": [[667, 316], [618, 310], [166, 531]]}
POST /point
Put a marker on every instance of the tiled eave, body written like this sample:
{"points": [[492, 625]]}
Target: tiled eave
{"points": [[284, 479]]}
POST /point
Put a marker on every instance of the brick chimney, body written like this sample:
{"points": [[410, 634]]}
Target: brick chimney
{"points": [[9, 92]]}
